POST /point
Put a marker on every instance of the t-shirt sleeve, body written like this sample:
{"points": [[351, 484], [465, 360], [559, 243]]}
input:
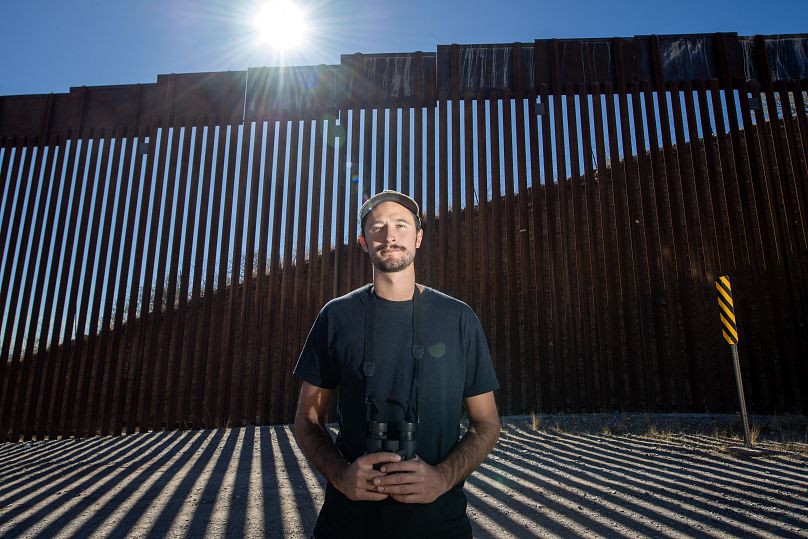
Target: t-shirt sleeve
{"points": [[480, 375], [316, 365]]}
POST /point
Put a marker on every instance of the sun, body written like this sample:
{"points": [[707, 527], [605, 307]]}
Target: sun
{"points": [[280, 24]]}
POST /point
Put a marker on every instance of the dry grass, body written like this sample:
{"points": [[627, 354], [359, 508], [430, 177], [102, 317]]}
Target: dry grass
{"points": [[721, 432]]}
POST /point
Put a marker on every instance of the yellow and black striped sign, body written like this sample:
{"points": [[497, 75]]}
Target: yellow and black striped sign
{"points": [[730, 328]]}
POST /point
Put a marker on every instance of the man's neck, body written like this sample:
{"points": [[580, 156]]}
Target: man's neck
{"points": [[396, 286]]}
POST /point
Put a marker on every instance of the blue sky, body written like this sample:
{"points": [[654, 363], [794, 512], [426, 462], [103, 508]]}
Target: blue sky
{"points": [[51, 45]]}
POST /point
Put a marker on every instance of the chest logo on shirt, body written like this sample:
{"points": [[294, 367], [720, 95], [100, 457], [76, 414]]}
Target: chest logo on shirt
{"points": [[437, 350]]}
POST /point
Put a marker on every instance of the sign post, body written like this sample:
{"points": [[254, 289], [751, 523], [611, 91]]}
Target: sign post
{"points": [[730, 332]]}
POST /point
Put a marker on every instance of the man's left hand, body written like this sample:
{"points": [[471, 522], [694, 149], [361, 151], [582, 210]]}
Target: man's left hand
{"points": [[412, 481]]}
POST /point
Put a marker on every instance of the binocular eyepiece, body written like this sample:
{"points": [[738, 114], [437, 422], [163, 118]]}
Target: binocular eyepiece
{"points": [[392, 436]]}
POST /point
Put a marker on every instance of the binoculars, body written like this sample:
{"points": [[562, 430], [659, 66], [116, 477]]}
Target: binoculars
{"points": [[393, 436]]}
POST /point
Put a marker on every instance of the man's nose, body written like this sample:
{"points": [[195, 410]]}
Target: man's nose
{"points": [[390, 234]]}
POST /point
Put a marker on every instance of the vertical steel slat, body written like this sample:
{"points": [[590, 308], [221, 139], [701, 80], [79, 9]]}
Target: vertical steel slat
{"points": [[273, 313], [769, 246], [8, 184], [354, 260], [67, 384], [442, 218], [555, 348], [471, 277], [57, 285], [500, 348], [87, 248], [483, 293], [673, 218], [177, 413], [201, 290], [23, 280], [114, 401], [136, 315], [11, 364], [514, 333], [380, 131], [686, 256], [650, 274], [621, 178], [221, 345], [798, 187], [610, 382], [295, 314], [724, 185], [406, 175], [326, 263], [315, 256], [523, 241], [262, 363], [72, 266], [596, 258], [165, 383], [785, 174], [559, 213], [538, 371], [37, 335], [9, 230], [705, 246], [418, 181], [341, 283], [365, 269], [286, 275], [752, 233], [140, 356], [150, 379], [801, 130], [774, 172], [578, 192], [751, 262], [244, 398], [234, 218], [393, 179], [98, 415], [209, 367], [635, 312], [455, 214], [430, 225], [86, 351], [653, 278]]}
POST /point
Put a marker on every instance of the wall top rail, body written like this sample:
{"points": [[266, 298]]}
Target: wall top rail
{"points": [[404, 79]]}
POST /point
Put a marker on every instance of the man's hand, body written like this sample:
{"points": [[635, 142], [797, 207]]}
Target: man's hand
{"points": [[357, 480], [411, 481]]}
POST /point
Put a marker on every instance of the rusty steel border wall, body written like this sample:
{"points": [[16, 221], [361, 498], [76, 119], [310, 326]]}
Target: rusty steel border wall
{"points": [[164, 258]]}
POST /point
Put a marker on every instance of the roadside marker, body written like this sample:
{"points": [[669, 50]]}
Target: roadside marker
{"points": [[730, 331]]}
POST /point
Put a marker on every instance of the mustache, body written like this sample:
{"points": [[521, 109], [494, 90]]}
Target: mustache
{"points": [[390, 248]]}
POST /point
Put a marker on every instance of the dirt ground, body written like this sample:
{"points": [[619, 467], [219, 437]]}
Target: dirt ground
{"points": [[549, 476]]}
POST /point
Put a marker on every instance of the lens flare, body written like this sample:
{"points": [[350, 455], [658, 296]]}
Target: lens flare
{"points": [[280, 24]]}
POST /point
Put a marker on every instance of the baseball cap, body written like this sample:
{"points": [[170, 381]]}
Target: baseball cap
{"points": [[390, 196]]}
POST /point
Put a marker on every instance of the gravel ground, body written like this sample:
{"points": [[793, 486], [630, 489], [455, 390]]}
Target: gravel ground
{"points": [[560, 475]]}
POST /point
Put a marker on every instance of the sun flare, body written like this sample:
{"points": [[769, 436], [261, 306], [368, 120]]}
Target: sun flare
{"points": [[280, 24]]}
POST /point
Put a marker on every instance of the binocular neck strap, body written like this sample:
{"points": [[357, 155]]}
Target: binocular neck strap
{"points": [[368, 358]]}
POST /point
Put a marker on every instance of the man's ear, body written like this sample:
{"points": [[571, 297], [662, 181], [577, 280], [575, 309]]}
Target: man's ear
{"points": [[363, 243], [418, 237]]}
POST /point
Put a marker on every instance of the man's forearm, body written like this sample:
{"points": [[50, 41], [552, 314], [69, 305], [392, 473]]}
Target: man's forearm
{"points": [[475, 445], [320, 450]]}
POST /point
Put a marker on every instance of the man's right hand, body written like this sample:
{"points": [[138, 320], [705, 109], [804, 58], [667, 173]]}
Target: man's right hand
{"points": [[356, 481]]}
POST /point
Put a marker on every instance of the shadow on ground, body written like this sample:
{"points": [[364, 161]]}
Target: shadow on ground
{"points": [[254, 482]]}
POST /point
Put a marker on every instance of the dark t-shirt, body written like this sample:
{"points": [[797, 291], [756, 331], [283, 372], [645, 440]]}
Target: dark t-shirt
{"points": [[456, 364]]}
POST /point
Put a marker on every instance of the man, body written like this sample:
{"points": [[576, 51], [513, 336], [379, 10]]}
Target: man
{"points": [[396, 351]]}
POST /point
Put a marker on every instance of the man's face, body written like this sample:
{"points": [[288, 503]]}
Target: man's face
{"points": [[390, 237]]}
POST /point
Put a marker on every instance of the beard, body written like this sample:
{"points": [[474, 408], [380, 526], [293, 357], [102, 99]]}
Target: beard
{"points": [[392, 265]]}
